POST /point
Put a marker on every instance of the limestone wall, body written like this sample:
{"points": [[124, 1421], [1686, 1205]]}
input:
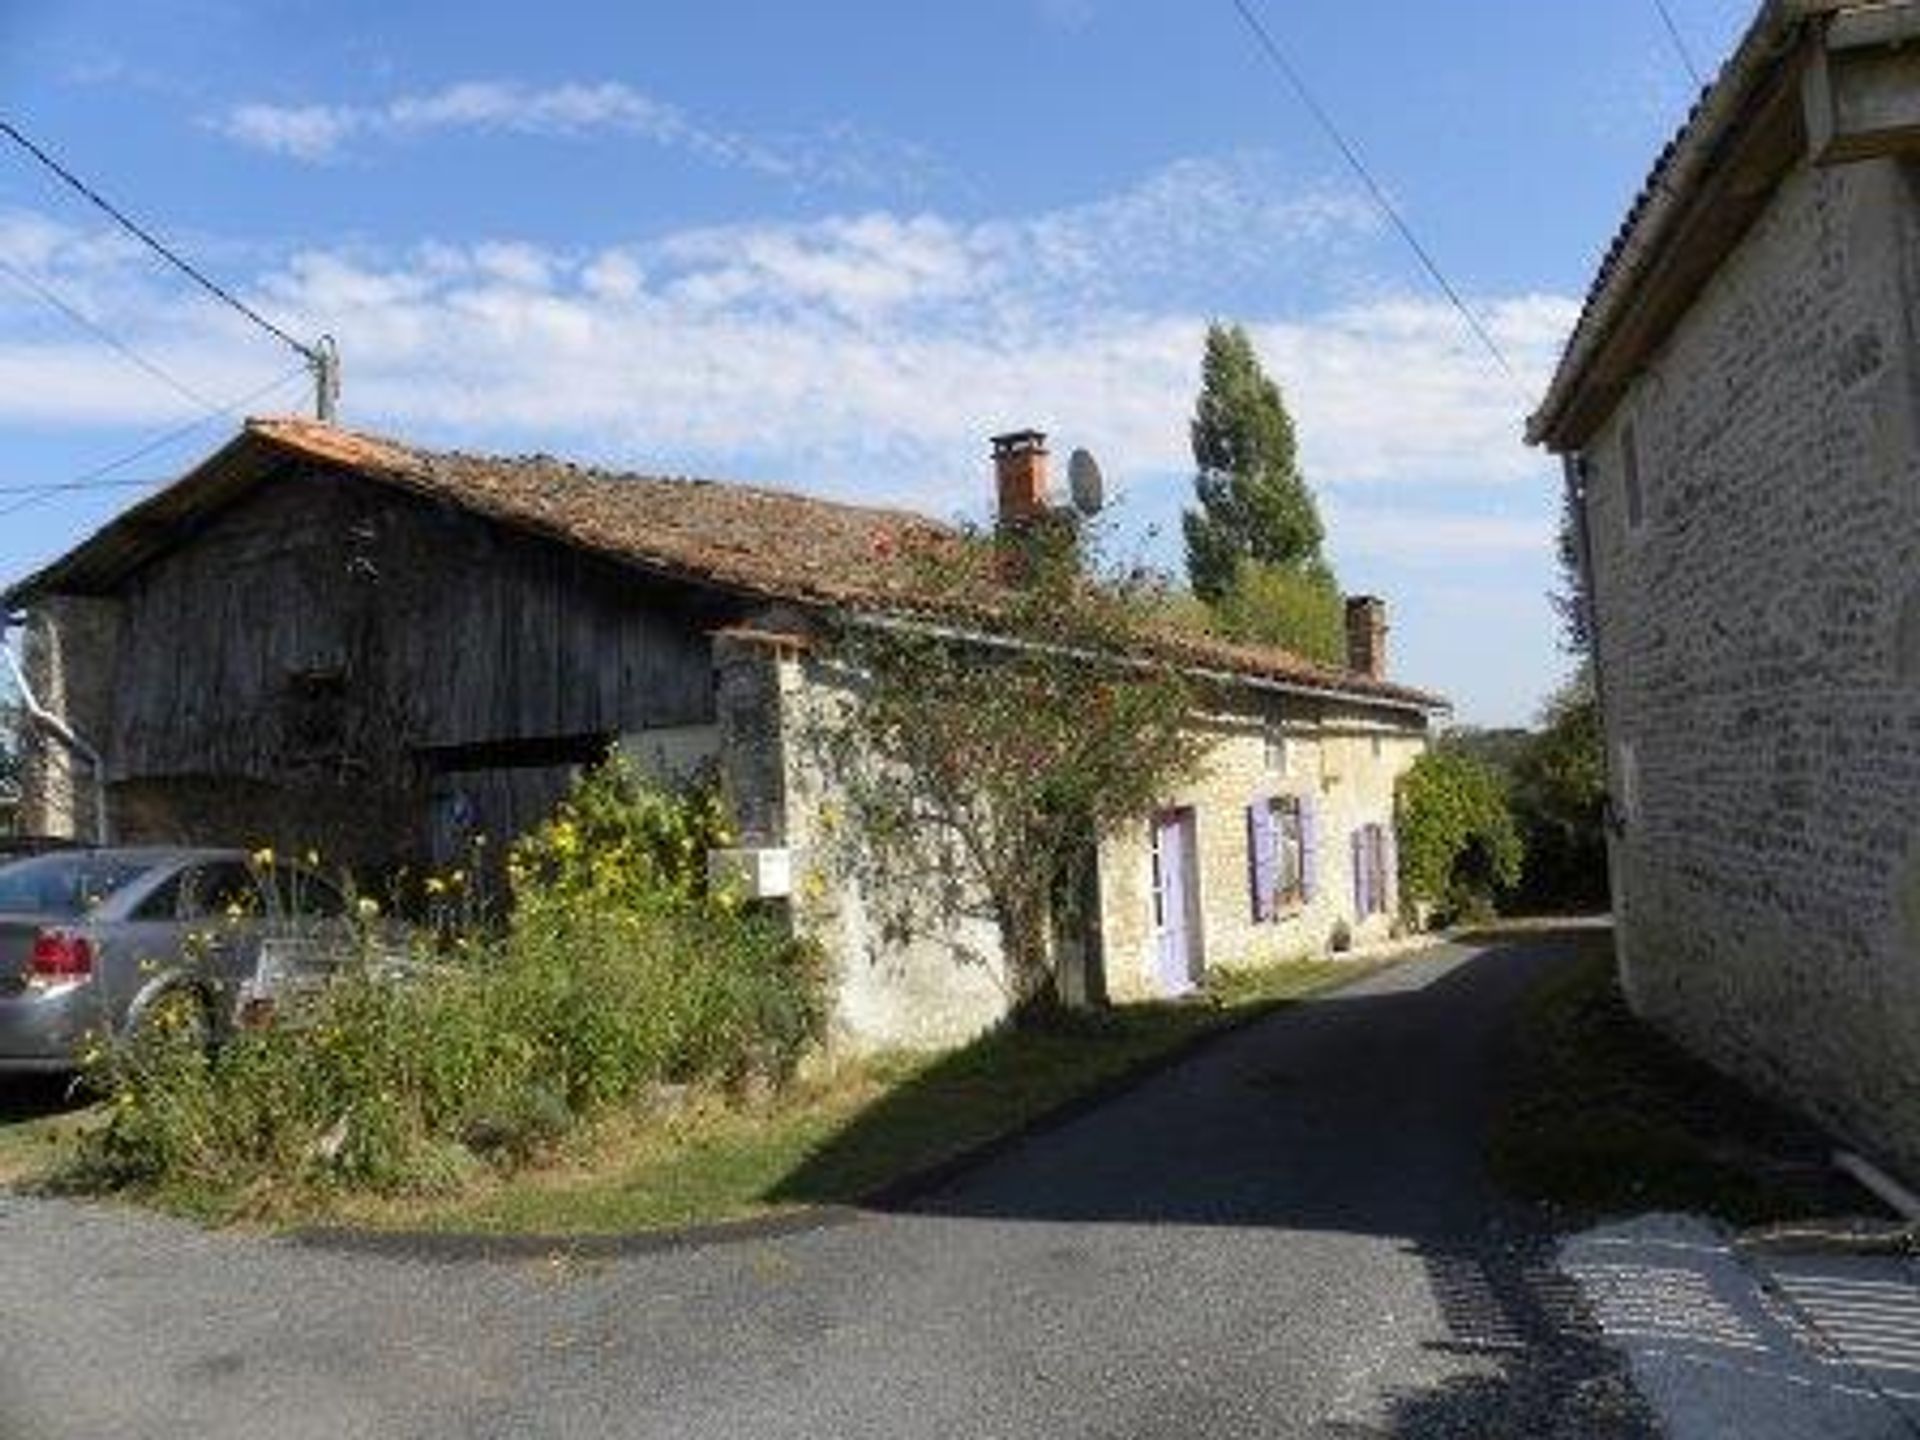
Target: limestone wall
{"points": [[1345, 764], [940, 977], [939, 981], [68, 652], [1760, 656]]}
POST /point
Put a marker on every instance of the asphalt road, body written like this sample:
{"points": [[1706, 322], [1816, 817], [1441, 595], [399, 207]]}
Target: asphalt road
{"points": [[1288, 1235]]}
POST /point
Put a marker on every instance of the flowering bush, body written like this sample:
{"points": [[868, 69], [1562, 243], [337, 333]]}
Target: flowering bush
{"points": [[617, 971]]}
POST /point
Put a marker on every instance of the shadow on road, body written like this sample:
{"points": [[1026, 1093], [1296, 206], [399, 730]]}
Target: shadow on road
{"points": [[1362, 1113], [34, 1097]]}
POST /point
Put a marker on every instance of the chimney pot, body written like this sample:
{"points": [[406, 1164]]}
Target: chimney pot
{"points": [[1020, 472], [1367, 636]]}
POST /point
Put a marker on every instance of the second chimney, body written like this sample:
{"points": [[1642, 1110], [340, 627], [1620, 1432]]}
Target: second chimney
{"points": [[1367, 636], [1020, 468]]}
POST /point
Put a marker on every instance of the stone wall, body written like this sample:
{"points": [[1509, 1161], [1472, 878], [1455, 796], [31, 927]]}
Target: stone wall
{"points": [[68, 651], [942, 979], [1760, 658], [1347, 764], [937, 980]]}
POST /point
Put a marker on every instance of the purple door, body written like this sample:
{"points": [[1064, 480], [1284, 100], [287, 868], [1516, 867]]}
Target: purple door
{"points": [[1173, 902]]}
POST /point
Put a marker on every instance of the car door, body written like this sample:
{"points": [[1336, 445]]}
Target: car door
{"points": [[148, 947], [224, 912]]}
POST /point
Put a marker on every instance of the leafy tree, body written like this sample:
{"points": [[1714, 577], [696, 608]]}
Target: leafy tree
{"points": [[1253, 503], [1559, 801], [1299, 609], [1459, 846], [981, 761]]}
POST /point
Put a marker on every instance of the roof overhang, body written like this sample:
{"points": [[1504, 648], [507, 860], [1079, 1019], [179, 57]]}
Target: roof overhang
{"points": [[266, 449], [99, 563], [1827, 82], [1748, 131]]}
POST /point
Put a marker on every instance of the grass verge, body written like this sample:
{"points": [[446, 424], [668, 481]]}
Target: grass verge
{"points": [[833, 1137], [1601, 1115], [39, 1123], [839, 1137]]}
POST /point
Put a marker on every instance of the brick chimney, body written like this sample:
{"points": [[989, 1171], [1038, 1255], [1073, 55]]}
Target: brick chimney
{"points": [[1020, 468], [1367, 636]]}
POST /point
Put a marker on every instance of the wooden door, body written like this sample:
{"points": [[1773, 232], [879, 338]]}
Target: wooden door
{"points": [[1174, 910]]}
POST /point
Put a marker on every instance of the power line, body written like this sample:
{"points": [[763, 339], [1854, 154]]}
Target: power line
{"points": [[38, 487], [1380, 199], [28, 282], [159, 247], [1679, 42], [91, 478]]}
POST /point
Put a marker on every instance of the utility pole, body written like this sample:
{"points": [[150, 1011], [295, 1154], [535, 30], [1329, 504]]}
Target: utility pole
{"points": [[323, 359]]}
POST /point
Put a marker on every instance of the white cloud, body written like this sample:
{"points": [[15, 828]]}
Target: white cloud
{"points": [[865, 354], [869, 355], [306, 132], [840, 155]]}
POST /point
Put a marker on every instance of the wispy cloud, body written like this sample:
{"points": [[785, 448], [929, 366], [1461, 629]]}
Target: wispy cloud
{"points": [[869, 354], [839, 155], [863, 354]]}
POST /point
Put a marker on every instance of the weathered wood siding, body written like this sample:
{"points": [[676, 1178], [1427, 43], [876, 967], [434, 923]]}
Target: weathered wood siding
{"points": [[330, 631]]}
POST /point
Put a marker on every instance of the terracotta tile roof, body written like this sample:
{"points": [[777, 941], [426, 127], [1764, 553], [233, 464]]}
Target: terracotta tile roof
{"points": [[770, 544]]}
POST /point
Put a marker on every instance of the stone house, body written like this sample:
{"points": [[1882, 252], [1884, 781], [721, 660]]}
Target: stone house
{"points": [[322, 638], [1737, 411]]}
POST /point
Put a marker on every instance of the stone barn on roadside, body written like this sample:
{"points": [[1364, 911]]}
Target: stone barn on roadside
{"points": [[320, 638], [1739, 411]]}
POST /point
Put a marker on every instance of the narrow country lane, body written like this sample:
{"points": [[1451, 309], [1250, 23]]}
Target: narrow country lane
{"points": [[1289, 1235]]}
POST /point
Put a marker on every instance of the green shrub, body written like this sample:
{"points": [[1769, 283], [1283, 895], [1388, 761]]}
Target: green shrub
{"points": [[617, 971], [1458, 843], [1298, 608]]}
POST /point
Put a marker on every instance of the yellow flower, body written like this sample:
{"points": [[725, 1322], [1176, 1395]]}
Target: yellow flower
{"points": [[313, 859], [457, 879], [263, 856], [367, 907], [435, 885]]}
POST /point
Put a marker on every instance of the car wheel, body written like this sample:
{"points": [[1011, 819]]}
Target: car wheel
{"points": [[177, 1016]]}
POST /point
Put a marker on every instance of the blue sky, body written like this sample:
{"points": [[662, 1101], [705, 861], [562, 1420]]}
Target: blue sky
{"points": [[834, 246]]}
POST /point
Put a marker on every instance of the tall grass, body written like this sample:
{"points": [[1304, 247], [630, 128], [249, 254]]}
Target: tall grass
{"points": [[617, 972]]}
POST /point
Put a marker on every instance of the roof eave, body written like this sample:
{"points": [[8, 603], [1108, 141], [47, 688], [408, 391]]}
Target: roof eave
{"points": [[129, 538], [1747, 133]]}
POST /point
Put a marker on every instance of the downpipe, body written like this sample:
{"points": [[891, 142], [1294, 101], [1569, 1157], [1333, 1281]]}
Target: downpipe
{"points": [[56, 727]]}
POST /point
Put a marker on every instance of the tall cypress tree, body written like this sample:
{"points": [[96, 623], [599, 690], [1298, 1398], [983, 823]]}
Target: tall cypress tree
{"points": [[1254, 505]]}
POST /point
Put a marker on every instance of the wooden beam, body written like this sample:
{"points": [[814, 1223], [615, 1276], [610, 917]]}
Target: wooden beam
{"points": [[1862, 90]]}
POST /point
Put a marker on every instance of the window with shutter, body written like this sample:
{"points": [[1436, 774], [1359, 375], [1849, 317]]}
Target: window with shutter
{"points": [[1276, 855], [1309, 848], [1289, 883], [1260, 859]]}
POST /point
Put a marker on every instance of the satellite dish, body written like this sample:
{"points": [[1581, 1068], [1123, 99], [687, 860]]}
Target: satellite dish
{"points": [[1085, 483]]}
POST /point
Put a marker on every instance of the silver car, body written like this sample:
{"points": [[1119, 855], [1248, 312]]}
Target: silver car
{"points": [[95, 943]]}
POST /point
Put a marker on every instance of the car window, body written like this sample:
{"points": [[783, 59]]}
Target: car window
{"points": [[162, 904], [223, 889], [303, 895], [65, 885]]}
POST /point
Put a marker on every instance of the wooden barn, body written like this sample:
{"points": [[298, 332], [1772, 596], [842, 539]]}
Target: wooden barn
{"points": [[322, 639]]}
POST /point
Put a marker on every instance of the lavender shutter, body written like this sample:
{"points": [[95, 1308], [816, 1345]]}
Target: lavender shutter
{"points": [[1262, 858], [1390, 853], [1309, 848], [1359, 848]]}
